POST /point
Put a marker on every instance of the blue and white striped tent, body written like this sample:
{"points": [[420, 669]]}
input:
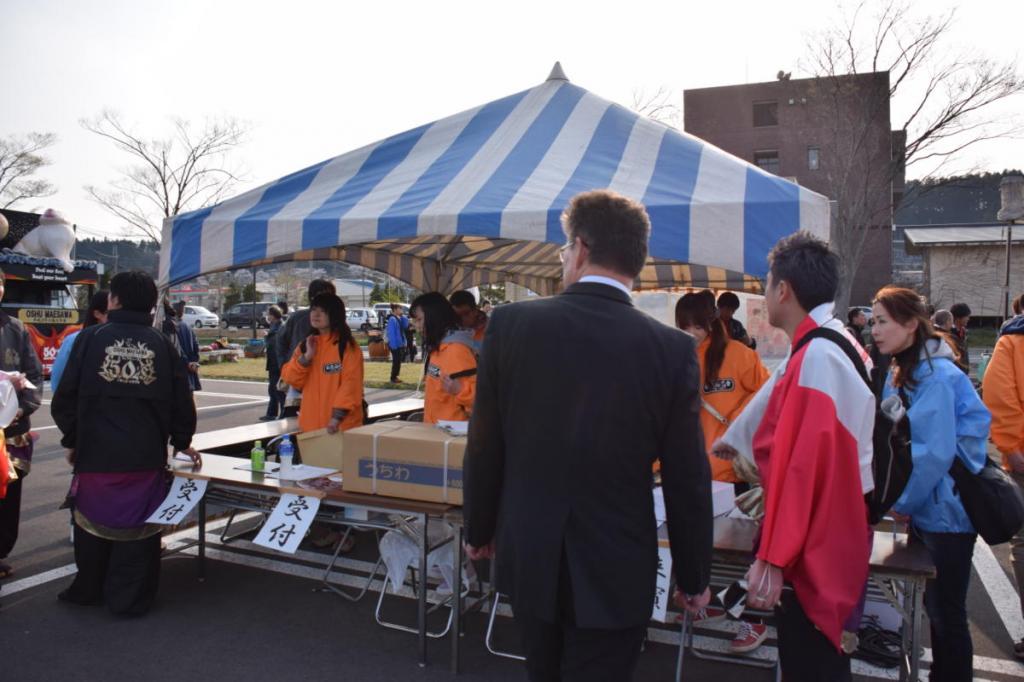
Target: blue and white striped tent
{"points": [[475, 198]]}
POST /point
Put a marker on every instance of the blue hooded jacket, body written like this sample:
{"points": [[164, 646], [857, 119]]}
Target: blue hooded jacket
{"points": [[947, 420], [395, 333]]}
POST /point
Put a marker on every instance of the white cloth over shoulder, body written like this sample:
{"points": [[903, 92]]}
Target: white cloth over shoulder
{"points": [[740, 434], [8, 401]]}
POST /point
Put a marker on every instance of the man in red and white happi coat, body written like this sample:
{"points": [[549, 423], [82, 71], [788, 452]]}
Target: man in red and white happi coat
{"points": [[809, 430]]}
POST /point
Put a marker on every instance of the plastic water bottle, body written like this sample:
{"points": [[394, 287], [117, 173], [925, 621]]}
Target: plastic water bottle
{"points": [[284, 455], [257, 456], [986, 358]]}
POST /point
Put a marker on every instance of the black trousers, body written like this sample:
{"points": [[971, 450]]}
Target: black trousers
{"points": [[945, 600], [396, 362], [564, 652], [10, 516], [410, 347], [276, 403], [124, 575], [804, 651]]}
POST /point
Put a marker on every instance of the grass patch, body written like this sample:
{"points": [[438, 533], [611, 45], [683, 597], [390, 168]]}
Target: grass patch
{"points": [[375, 374], [207, 336], [985, 337]]}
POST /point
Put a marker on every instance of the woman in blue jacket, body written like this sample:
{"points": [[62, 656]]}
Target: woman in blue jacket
{"points": [[96, 314], [947, 420]]}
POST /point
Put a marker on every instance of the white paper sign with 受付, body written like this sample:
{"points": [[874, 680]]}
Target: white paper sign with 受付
{"points": [[288, 523], [662, 584], [184, 496]]}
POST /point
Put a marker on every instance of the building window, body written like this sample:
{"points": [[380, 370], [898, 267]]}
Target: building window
{"points": [[766, 114], [813, 158], [767, 159]]}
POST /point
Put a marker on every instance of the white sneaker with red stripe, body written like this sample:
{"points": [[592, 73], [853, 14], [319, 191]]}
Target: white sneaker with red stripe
{"points": [[706, 616], [749, 637]]}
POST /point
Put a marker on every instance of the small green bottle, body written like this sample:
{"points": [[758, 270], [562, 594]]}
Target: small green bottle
{"points": [[258, 456]]}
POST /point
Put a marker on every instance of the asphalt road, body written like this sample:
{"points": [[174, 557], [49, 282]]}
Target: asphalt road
{"points": [[257, 616]]}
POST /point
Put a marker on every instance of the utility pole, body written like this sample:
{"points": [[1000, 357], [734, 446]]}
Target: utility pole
{"points": [[254, 297]]}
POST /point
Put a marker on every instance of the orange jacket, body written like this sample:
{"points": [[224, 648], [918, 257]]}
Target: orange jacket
{"points": [[1002, 390], [331, 382], [452, 357], [739, 378]]}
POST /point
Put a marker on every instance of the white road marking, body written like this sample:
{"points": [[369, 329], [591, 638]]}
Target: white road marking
{"points": [[31, 581], [1002, 592], [16, 586], [221, 407], [211, 394]]}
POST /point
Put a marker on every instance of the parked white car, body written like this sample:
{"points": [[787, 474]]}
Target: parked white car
{"points": [[197, 316], [361, 319]]}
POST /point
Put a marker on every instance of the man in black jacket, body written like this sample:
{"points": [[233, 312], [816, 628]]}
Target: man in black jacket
{"points": [[123, 398], [17, 355], [577, 396]]}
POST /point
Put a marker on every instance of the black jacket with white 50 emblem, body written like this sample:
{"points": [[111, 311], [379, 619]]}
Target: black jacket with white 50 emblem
{"points": [[123, 397]]}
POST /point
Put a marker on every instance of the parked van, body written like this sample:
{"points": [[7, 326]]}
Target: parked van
{"points": [[240, 315], [362, 319]]}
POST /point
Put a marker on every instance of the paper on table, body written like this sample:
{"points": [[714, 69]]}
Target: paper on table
{"points": [[659, 505], [185, 494], [268, 467], [455, 428], [288, 523], [302, 472]]}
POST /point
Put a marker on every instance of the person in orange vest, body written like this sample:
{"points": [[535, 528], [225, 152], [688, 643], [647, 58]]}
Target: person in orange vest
{"points": [[450, 367], [731, 373], [328, 368], [1003, 394], [471, 318]]}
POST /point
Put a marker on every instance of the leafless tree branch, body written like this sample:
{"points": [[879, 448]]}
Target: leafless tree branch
{"points": [[186, 170], [657, 106], [948, 94], [20, 159]]}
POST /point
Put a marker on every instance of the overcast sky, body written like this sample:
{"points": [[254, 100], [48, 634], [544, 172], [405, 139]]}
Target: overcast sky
{"points": [[317, 79]]}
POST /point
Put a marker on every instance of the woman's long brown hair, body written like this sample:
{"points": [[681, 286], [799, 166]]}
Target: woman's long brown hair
{"points": [[694, 310], [904, 305]]}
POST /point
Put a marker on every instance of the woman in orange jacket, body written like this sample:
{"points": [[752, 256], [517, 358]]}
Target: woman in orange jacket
{"points": [[450, 361], [328, 368], [731, 373]]}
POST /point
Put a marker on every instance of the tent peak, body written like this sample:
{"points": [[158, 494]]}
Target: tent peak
{"points": [[557, 74]]}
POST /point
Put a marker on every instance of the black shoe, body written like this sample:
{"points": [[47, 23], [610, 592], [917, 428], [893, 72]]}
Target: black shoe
{"points": [[70, 598], [268, 418]]}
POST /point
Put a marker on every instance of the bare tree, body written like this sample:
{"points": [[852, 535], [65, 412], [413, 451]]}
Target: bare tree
{"points": [[948, 96], [657, 106], [20, 160], [183, 171]]}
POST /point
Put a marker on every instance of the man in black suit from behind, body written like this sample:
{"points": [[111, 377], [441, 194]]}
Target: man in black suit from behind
{"points": [[577, 396]]}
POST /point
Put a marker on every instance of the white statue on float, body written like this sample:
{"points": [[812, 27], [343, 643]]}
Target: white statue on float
{"points": [[53, 238]]}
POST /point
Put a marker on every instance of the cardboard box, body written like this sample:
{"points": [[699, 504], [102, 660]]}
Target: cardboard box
{"points": [[321, 449], [402, 459]]}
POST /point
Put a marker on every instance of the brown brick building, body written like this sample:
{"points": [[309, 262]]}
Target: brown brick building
{"points": [[808, 130]]}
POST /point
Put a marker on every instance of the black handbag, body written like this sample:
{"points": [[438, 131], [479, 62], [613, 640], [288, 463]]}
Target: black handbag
{"points": [[992, 500]]}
